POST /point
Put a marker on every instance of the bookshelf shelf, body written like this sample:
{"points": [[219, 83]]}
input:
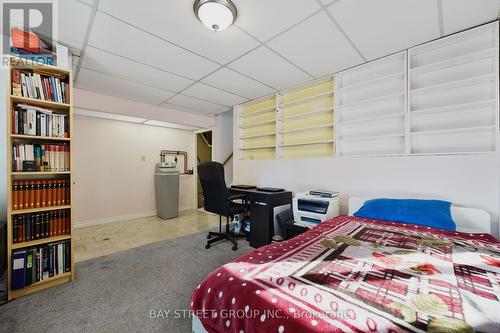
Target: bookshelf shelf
{"points": [[37, 210], [306, 143], [301, 129], [257, 135], [38, 138], [257, 147], [308, 113], [41, 241], [41, 103], [258, 112], [375, 80], [454, 107], [454, 61], [374, 137], [17, 62], [371, 100], [258, 124], [41, 285], [25, 251], [305, 99], [35, 173], [454, 84], [360, 120], [453, 130]]}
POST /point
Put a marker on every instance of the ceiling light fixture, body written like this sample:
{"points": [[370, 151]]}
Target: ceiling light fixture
{"points": [[216, 15]]}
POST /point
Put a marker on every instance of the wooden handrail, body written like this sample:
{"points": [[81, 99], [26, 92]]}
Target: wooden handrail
{"points": [[227, 159]]}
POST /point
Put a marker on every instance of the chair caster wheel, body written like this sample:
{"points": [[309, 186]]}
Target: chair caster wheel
{"points": [[235, 247], [207, 246], [208, 236]]}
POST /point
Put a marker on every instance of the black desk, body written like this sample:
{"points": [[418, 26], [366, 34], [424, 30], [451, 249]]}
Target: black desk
{"points": [[262, 205]]}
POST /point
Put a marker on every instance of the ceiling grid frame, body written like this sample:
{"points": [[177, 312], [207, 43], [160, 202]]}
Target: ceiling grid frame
{"points": [[322, 6]]}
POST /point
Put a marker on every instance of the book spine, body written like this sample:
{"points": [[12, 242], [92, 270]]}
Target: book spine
{"points": [[67, 257], [18, 277], [45, 265]]}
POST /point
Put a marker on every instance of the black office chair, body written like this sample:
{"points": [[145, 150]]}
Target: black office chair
{"points": [[218, 200]]}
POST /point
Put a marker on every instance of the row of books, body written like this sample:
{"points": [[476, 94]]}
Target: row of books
{"points": [[31, 194], [33, 85], [40, 157], [33, 120], [28, 227], [39, 263]]}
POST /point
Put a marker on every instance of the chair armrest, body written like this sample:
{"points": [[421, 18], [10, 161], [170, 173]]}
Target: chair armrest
{"points": [[236, 197]]}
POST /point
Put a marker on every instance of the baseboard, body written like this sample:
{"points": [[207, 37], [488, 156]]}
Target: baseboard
{"points": [[111, 219]]}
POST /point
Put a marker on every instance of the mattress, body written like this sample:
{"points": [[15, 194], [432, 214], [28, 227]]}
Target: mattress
{"points": [[358, 275]]}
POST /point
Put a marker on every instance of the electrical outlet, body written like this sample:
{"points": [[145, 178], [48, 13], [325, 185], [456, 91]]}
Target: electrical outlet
{"points": [[143, 158]]}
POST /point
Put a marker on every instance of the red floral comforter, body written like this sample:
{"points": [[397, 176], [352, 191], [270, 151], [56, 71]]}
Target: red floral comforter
{"points": [[358, 275]]}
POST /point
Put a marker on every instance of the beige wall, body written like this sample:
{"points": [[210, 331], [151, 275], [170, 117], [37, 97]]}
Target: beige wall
{"points": [[111, 180]]}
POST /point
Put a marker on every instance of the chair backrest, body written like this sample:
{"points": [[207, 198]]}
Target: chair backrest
{"points": [[285, 216], [213, 184]]}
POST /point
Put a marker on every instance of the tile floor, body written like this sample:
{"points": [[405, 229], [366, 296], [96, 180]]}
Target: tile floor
{"points": [[100, 240]]}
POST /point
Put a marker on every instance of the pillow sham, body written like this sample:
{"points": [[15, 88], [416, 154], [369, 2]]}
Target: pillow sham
{"points": [[430, 213]]}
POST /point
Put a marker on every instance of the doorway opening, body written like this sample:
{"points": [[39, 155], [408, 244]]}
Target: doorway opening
{"points": [[203, 154]]}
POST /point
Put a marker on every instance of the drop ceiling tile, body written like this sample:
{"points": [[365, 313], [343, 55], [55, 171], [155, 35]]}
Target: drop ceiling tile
{"points": [[230, 80], [269, 68], [169, 106], [108, 85], [111, 64], [323, 48], [266, 18], [382, 27], [194, 105], [213, 95], [175, 21], [463, 14], [120, 38], [73, 22]]}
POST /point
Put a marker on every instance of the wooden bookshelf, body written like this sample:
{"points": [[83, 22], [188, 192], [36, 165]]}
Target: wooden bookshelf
{"points": [[61, 108]]}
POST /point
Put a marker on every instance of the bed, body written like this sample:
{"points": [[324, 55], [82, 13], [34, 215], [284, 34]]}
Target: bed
{"points": [[359, 275]]}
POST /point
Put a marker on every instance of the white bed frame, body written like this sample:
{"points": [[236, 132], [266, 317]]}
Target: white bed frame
{"points": [[467, 219]]}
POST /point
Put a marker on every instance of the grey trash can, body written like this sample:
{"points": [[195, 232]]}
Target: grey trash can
{"points": [[166, 192]]}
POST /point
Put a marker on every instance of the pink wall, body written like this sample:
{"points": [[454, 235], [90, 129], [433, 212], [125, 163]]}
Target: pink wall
{"points": [[111, 180]]}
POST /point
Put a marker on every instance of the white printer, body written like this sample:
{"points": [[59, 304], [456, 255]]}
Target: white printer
{"points": [[313, 207]]}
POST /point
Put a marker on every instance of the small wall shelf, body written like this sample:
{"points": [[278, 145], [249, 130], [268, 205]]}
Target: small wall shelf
{"points": [[373, 109], [453, 93]]}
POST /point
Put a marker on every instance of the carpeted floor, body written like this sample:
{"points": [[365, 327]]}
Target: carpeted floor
{"points": [[116, 293]]}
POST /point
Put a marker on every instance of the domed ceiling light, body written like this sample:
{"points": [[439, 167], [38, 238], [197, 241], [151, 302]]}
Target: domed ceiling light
{"points": [[216, 15]]}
